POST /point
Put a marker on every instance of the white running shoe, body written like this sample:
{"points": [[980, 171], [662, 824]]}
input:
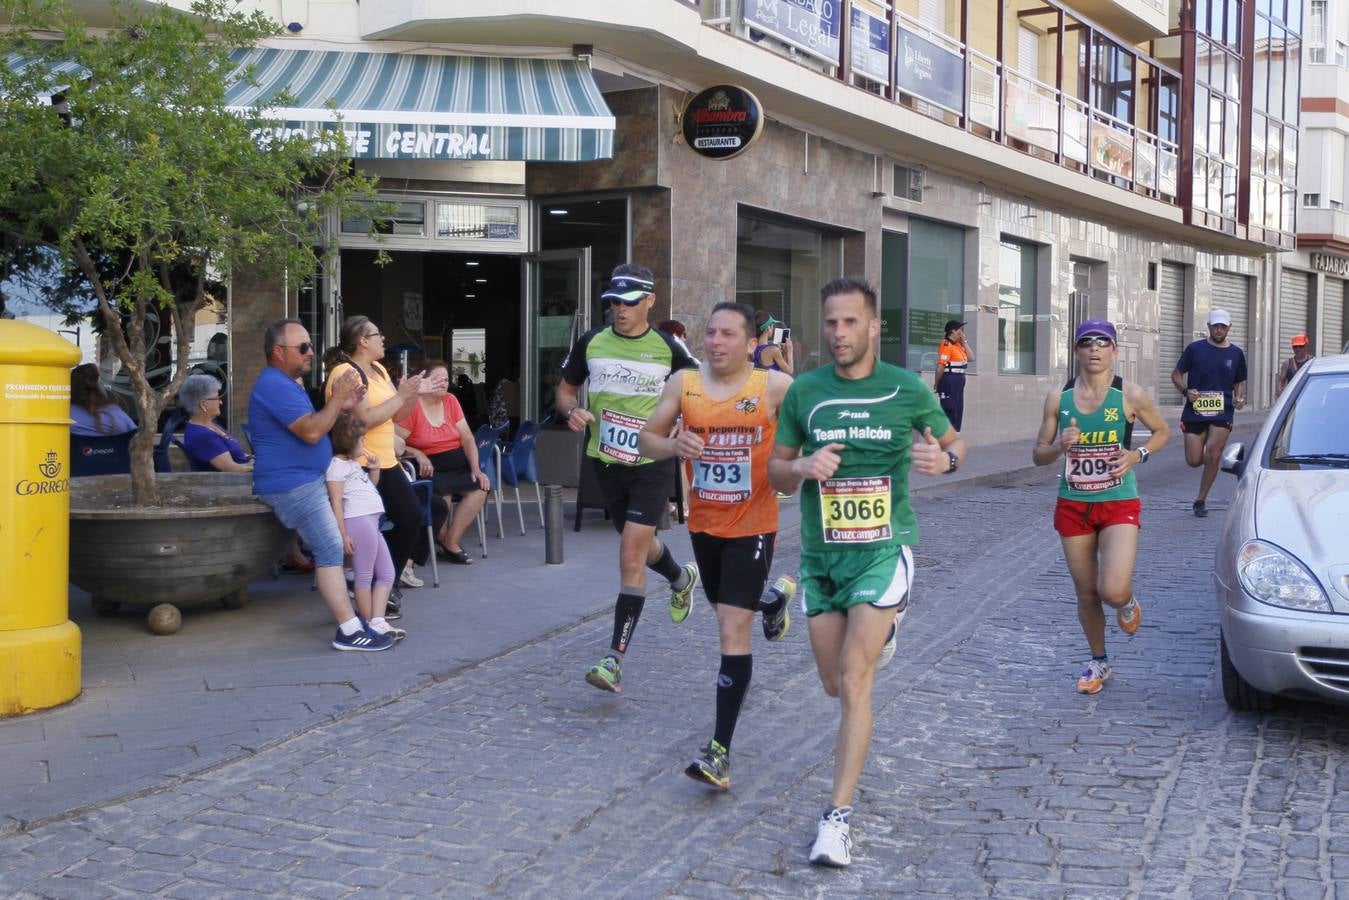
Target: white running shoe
{"points": [[409, 578], [888, 650], [833, 844]]}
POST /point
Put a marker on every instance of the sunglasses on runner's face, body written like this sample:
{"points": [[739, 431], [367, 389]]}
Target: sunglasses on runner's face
{"points": [[1087, 343], [616, 301]]}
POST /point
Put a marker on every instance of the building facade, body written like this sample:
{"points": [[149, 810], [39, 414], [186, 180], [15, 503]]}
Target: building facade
{"points": [[1313, 282], [1017, 164]]}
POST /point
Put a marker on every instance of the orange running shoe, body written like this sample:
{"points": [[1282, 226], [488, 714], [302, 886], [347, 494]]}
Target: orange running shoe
{"points": [[1094, 677], [1129, 616]]}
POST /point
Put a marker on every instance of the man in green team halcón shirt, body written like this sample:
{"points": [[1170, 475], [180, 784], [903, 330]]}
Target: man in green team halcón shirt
{"points": [[846, 430]]}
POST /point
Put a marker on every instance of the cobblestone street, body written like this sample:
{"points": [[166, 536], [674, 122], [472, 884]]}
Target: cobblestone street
{"points": [[988, 775]]}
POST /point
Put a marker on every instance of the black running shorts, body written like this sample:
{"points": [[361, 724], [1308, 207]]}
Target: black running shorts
{"points": [[733, 570], [635, 494]]}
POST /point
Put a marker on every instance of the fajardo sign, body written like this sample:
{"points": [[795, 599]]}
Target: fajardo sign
{"points": [[722, 121], [1329, 262]]}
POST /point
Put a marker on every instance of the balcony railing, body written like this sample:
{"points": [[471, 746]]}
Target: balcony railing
{"points": [[1313, 220], [934, 74]]}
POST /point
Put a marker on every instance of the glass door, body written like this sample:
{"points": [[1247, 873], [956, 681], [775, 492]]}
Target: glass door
{"points": [[557, 312]]}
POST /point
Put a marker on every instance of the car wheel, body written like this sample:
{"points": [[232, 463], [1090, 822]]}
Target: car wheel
{"points": [[1237, 691]]}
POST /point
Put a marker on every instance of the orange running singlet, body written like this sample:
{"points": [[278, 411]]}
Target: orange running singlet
{"points": [[729, 493]]}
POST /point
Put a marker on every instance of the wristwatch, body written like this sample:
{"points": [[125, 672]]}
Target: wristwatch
{"points": [[1143, 455], [955, 462]]}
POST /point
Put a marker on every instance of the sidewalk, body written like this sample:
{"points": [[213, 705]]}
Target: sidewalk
{"points": [[230, 684]]}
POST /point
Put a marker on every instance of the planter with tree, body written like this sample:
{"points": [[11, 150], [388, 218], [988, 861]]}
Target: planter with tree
{"points": [[126, 175]]}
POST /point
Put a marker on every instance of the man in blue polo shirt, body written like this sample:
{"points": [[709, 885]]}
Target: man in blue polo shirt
{"points": [[1212, 375], [291, 454]]}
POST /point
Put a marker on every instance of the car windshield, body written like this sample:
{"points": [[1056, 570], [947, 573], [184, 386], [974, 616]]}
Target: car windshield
{"points": [[1316, 431]]}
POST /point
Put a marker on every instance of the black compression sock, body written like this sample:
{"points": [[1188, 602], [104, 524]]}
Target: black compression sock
{"points": [[627, 611], [666, 567], [732, 682]]}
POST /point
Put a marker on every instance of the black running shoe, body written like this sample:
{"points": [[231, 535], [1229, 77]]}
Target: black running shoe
{"points": [[712, 766]]}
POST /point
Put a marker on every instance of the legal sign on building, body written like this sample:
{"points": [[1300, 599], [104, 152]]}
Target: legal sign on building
{"points": [[809, 25]]}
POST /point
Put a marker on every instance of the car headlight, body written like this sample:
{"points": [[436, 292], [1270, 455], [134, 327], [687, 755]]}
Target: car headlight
{"points": [[1272, 576]]}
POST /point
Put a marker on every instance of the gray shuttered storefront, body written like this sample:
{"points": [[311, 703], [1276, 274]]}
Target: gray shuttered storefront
{"points": [[1334, 335], [1232, 292], [1294, 291], [1170, 327]]}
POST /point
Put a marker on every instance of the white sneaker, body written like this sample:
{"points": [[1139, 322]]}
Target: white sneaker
{"points": [[888, 650], [833, 845], [409, 578]]}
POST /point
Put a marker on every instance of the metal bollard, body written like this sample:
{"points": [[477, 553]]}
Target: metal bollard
{"points": [[552, 517]]}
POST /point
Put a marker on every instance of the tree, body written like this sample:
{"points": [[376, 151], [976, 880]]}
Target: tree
{"points": [[122, 157]]}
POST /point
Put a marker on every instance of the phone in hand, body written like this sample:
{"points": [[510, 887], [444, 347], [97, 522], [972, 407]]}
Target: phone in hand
{"points": [[781, 335]]}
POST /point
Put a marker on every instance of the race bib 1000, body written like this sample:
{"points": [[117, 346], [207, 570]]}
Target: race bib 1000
{"points": [[1209, 403], [618, 436], [1088, 468], [855, 510], [721, 474]]}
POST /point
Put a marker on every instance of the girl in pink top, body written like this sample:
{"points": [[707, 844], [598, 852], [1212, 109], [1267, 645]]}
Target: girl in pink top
{"points": [[357, 506]]}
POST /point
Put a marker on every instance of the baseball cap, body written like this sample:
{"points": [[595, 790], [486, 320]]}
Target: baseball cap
{"points": [[1300, 340], [1093, 327], [768, 323], [953, 324], [628, 288], [1219, 317]]}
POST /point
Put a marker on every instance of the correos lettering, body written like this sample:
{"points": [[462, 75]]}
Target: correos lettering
{"points": [[26, 488]]}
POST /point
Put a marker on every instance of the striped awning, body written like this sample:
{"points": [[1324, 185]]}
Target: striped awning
{"points": [[424, 106], [18, 62]]}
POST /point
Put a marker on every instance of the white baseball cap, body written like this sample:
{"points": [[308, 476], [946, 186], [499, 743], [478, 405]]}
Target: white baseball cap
{"points": [[1219, 317]]}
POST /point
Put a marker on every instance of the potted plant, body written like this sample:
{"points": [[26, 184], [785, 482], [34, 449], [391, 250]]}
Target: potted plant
{"points": [[125, 171]]}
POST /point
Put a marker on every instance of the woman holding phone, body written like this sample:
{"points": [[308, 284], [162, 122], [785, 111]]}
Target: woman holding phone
{"points": [[774, 351]]}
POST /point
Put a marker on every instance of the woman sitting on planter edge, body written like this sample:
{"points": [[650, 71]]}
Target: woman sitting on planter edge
{"points": [[360, 347], [439, 440], [94, 412], [209, 447]]}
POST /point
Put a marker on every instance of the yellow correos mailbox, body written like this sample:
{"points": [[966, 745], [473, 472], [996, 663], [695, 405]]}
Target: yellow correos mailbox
{"points": [[39, 645]]}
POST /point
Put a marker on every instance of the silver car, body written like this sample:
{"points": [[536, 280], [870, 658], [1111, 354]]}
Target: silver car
{"points": [[1281, 571]]}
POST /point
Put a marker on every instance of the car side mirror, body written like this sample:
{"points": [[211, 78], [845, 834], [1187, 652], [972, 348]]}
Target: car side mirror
{"points": [[1234, 458]]}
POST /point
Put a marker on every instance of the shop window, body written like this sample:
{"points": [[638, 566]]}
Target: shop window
{"points": [[1017, 296], [780, 269], [936, 288], [404, 218]]}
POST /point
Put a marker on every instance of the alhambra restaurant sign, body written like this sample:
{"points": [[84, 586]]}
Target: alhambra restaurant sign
{"points": [[722, 121]]}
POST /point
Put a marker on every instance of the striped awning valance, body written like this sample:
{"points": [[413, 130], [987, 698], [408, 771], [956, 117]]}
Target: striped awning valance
{"points": [[425, 106]]}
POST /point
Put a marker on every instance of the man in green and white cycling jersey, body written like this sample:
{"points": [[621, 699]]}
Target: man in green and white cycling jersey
{"points": [[627, 363]]}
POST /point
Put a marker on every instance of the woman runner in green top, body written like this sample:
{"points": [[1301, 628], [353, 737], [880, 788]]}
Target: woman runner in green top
{"points": [[1090, 423]]}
